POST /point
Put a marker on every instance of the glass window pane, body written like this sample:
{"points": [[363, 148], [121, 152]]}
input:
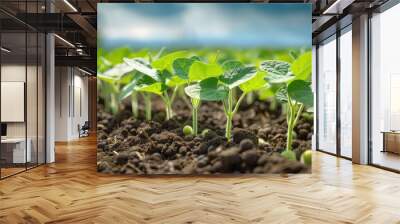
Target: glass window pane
{"points": [[346, 94], [385, 84], [32, 87], [31, 97], [327, 96], [14, 153]]}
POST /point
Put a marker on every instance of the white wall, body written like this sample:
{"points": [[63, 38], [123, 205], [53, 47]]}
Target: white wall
{"points": [[14, 72], [33, 126], [71, 94], [62, 81], [80, 100]]}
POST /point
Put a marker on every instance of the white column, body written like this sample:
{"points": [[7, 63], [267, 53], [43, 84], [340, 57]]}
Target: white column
{"points": [[360, 90], [50, 99], [50, 92]]}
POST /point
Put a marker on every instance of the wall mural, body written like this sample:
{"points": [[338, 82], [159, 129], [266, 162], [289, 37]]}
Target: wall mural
{"points": [[207, 88]]}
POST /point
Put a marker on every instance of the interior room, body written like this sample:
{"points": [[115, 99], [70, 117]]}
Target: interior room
{"points": [[49, 169], [22, 103], [385, 86], [25, 104]]}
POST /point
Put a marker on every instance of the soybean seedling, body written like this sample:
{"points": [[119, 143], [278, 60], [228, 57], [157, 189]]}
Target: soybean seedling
{"points": [[110, 84], [238, 75], [137, 80], [221, 88], [192, 70], [112, 75], [295, 91], [159, 78]]}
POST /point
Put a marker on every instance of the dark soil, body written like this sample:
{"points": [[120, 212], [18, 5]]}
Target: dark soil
{"points": [[133, 146]]}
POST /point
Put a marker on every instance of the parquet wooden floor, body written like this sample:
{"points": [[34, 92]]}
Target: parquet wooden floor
{"points": [[71, 191]]}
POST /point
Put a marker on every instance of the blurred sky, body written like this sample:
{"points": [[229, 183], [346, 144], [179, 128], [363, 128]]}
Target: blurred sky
{"points": [[204, 25]]}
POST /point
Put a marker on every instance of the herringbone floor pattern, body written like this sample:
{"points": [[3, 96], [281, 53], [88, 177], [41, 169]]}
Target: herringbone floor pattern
{"points": [[71, 191]]}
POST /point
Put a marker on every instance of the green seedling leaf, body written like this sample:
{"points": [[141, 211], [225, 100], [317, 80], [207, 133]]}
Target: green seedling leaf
{"points": [[165, 62], [127, 78], [302, 66], [278, 71], [231, 64], [284, 57], [105, 78], [127, 90], [200, 71], [195, 58], [143, 83], [281, 94], [237, 76], [175, 81], [255, 83], [103, 64], [138, 80], [156, 88], [265, 93], [300, 91], [140, 66], [118, 70], [181, 67], [165, 75], [208, 90]]}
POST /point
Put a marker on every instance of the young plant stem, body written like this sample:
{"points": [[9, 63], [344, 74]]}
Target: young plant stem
{"points": [[168, 106], [289, 118], [234, 95], [147, 105], [250, 98], [230, 110], [195, 109], [134, 104], [273, 105], [293, 115], [114, 103], [174, 94], [114, 106], [285, 109], [182, 95]]}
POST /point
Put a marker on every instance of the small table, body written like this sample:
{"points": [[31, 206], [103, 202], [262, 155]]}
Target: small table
{"points": [[391, 141], [15, 148]]}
